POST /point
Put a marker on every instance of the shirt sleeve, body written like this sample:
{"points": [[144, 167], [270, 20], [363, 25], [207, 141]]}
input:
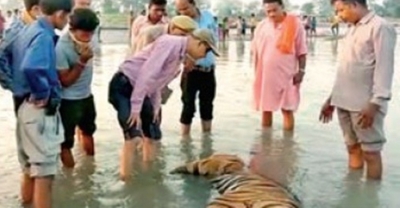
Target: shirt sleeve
{"points": [[301, 41], [149, 75], [384, 46], [35, 65], [61, 57]]}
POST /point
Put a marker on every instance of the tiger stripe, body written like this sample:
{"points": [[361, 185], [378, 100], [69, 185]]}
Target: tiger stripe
{"points": [[239, 188]]}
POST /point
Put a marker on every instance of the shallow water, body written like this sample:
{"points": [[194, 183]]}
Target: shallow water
{"points": [[312, 161]]}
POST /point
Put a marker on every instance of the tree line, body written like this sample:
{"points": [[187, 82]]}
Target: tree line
{"points": [[229, 8]]}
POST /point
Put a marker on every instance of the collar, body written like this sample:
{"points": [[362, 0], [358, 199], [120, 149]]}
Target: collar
{"points": [[47, 26], [367, 18]]}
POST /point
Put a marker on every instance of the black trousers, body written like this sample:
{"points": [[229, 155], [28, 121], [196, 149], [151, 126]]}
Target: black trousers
{"points": [[81, 113], [199, 83]]}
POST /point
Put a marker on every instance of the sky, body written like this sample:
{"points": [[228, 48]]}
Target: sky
{"points": [[300, 2], [306, 1]]}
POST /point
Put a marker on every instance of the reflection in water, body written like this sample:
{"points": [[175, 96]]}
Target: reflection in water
{"points": [[358, 193], [76, 184], [311, 46], [335, 44], [149, 184], [275, 157], [240, 48], [187, 148], [223, 47], [206, 146], [199, 196]]}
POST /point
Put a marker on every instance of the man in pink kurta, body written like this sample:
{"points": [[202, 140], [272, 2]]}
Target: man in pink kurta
{"points": [[278, 74]]}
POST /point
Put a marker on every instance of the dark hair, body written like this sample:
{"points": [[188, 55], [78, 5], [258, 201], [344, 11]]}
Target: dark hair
{"points": [[361, 2], [280, 2], [30, 3], [49, 7], [157, 2], [83, 19]]}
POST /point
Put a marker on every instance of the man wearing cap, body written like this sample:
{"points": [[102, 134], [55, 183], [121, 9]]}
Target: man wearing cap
{"points": [[201, 78], [135, 90], [155, 17], [179, 25]]}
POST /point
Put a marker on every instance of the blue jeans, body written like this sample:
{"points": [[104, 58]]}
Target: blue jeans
{"points": [[119, 95]]}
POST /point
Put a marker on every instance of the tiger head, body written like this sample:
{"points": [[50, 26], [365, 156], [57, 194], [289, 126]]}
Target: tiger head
{"points": [[215, 165]]}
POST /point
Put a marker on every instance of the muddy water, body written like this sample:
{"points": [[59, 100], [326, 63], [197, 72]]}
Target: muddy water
{"points": [[312, 161]]}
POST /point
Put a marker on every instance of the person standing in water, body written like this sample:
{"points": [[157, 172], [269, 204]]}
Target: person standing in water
{"points": [[135, 90], [199, 78], [39, 125], [253, 24], [279, 65], [363, 84], [335, 24], [74, 52]]}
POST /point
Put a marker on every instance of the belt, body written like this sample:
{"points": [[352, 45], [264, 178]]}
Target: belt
{"points": [[203, 68]]}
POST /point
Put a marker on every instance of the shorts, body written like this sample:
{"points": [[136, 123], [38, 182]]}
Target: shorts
{"points": [[119, 95], [81, 113], [371, 139], [39, 138]]}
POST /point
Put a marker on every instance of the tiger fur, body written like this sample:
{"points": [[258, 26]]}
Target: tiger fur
{"points": [[238, 187]]}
